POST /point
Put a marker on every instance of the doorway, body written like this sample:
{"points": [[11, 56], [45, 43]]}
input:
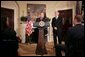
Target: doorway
{"points": [[67, 20], [9, 14]]}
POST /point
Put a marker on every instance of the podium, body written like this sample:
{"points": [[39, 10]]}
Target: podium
{"points": [[41, 48]]}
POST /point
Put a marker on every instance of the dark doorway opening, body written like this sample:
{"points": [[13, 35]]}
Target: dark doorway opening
{"points": [[67, 20], [9, 14]]}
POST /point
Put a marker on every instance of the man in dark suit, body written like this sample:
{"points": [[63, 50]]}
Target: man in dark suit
{"points": [[41, 48], [44, 18], [75, 38], [57, 28]]}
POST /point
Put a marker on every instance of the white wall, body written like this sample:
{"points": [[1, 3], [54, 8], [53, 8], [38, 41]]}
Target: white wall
{"points": [[12, 5], [51, 6]]}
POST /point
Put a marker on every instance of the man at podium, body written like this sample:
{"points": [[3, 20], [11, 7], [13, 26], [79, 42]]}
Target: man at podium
{"points": [[41, 23]]}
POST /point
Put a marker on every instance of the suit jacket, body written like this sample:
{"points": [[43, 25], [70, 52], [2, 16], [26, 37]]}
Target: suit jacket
{"points": [[75, 41], [57, 23], [8, 42], [45, 20]]}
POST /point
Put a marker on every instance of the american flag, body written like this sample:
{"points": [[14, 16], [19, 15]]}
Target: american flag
{"points": [[29, 27]]}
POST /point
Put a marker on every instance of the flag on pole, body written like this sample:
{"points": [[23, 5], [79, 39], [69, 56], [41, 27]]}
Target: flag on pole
{"points": [[78, 8], [29, 27]]}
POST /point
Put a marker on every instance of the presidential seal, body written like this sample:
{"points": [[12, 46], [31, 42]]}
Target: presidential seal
{"points": [[41, 23]]}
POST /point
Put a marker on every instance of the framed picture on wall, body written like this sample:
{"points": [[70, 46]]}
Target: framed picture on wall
{"points": [[35, 9]]}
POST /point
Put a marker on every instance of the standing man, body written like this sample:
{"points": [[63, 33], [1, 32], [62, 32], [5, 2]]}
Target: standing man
{"points": [[74, 40], [57, 29], [42, 31]]}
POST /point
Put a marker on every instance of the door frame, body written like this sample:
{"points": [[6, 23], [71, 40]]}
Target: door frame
{"points": [[15, 16], [72, 14], [12, 16], [71, 21]]}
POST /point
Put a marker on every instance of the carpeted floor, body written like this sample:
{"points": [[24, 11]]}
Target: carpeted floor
{"points": [[29, 49]]}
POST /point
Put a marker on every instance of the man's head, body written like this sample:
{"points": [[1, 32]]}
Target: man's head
{"points": [[28, 13], [42, 15], [56, 13], [78, 19]]}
